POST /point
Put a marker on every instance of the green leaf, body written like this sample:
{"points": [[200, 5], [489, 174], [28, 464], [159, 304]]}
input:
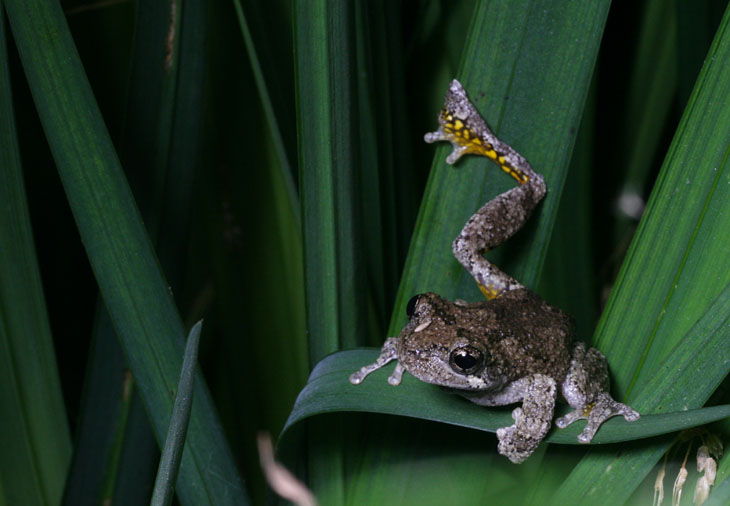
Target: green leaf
{"points": [[653, 89], [530, 87], [35, 435], [528, 71], [262, 86], [666, 318], [720, 494], [685, 219], [116, 242], [334, 279], [329, 390], [105, 433], [159, 148], [175, 441], [336, 295], [695, 356]]}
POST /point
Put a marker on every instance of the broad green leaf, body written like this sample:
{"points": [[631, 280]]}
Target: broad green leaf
{"points": [[104, 434], [35, 435], [528, 72], [515, 68], [329, 390], [673, 290], [119, 250], [597, 477], [684, 220]]}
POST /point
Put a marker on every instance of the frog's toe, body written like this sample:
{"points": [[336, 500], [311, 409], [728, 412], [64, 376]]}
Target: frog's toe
{"points": [[515, 446], [630, 415], [571, 417], [597, 412]]}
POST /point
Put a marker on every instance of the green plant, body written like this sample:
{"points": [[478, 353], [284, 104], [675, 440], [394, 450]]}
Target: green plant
{"points": [[288, 197]]}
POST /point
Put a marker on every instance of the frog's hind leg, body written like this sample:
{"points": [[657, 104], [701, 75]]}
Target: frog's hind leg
{"points": [[494, 223], [586, 390], [499, 219]]}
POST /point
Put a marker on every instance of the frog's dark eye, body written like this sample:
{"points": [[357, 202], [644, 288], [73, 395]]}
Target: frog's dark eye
{"points": [[411, 307], [466, 360]]}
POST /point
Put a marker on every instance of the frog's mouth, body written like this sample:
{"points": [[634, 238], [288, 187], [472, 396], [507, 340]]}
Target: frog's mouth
{"points": [[476, 385]]}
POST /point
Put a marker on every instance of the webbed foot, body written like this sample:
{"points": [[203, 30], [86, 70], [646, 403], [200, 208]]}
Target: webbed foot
{"points": [[603, 408]]}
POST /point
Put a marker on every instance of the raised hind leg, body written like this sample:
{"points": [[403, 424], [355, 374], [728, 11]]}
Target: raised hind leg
{"points": [[500, 218]]}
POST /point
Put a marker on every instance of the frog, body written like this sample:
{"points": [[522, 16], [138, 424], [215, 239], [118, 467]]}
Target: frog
{"points": [[513, 347]]}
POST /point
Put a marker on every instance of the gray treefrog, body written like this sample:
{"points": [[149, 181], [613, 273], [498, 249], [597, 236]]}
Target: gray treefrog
{"points": [[513, 347]]}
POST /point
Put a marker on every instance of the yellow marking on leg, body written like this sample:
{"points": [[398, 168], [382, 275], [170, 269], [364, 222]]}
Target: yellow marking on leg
{"points": [[488, 291], [586, 411], [520, 176], [458, 133]]}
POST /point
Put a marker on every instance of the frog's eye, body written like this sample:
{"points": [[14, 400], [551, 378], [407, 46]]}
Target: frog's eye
{"points": [[411, 307], [466, 360]]}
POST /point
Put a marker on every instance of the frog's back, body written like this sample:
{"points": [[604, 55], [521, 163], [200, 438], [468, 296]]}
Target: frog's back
{"points": [[529, 335]]}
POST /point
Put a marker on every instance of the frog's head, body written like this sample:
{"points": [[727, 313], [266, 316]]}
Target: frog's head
{"points": [[444, 343]]}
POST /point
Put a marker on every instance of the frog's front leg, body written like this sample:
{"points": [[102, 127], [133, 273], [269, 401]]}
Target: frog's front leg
{"points": [[532, 420], [499, 219], [388, 353], [586, 390]]}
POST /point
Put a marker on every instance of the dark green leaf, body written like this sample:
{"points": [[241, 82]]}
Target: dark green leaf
{"points": [[116, 242], [175, 441], [34, 436], [329, 390]]}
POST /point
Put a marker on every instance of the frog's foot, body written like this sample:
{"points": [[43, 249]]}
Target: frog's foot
{"points": [[586, 389], [461, 124], [514, 444], [440, 135], [387, 354], [597, 412], [532, 420]]}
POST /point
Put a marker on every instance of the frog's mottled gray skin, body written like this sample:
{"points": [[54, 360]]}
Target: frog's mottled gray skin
{"points": [[514, 347]]}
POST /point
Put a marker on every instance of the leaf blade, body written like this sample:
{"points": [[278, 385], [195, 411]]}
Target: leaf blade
{"points": [[35, 432], [328, 390], [119, 250], [175, 441]]}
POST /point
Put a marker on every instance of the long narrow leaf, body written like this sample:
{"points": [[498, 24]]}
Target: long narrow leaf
{"points": [[282, 161], [677, 270], [108, 395], [120, 252], [175, 441], [327, 141], [35, 436], [519, 81]]}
